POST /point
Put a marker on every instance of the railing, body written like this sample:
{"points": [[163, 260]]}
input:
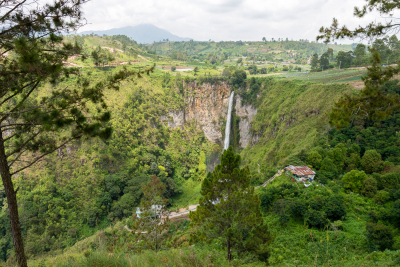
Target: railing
{"points": [[270, 179]]}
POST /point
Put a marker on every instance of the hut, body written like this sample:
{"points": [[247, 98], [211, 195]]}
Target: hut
{"points": [[300, 173]]}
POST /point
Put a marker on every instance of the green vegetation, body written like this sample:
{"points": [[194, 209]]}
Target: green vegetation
{"points": [[79, 205], [229, 211]]}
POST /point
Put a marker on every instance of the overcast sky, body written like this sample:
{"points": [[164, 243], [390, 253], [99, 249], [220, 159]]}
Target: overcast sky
{"points": [[224, 20]]}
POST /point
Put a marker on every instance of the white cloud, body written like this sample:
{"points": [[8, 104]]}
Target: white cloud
{"points": [[226, 19]]}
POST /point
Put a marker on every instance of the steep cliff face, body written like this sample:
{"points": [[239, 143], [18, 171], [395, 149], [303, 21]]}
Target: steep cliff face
{"points": [[246, 114], [207, 105]]}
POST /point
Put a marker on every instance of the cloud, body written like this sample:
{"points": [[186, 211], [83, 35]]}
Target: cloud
{"points": [[226, 19]]}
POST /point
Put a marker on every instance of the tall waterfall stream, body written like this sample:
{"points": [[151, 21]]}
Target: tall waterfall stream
{"points": [[228, 122]]}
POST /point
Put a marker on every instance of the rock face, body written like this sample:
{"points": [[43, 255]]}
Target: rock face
{"points": [[207, 105], [174, 119], [246, 114]]}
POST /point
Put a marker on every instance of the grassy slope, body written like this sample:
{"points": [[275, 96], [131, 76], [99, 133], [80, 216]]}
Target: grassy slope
{"points": [[287, 121]]}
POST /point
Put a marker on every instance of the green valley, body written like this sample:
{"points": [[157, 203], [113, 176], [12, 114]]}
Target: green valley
{"points": [[103, 139]]}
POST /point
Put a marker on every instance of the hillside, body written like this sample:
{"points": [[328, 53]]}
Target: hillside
{"points": [[163, 125], [172, 126], [142, 33], [291, 116]]}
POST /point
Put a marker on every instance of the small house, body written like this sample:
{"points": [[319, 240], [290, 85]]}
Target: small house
{"points": [[300, 173]]}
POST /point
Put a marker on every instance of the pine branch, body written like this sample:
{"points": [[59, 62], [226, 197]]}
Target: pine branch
{"points": [[47, 153]]}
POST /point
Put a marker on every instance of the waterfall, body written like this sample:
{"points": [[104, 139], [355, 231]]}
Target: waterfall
{"points": [[228, 122]]}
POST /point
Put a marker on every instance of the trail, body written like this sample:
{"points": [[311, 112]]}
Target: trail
{"points": [[142, 57]]}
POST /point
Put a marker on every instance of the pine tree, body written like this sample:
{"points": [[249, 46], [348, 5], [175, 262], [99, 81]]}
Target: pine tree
{"points": [[229, 209], [32, 123], [152, 222]]}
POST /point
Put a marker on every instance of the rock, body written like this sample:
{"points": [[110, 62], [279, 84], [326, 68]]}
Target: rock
{"points": [[255, 139], [207, 104], [174, 119], [246, 114]]}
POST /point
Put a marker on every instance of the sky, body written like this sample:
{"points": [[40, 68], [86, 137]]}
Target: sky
{"points": [[227, 20]]}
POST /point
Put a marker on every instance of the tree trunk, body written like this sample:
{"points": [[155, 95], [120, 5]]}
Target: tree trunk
{"points": [[229, 250], [12, 206]]}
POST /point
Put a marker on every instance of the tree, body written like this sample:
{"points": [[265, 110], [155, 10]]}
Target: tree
{"points": [[388, 181], [324, 60], [173, 68], [153, 219], [226, 72], [344, 59], [360, 53], [238, 78], [371, 104], [373, 29], [264, 39], [369, 187], [330, 53], [314, 158], [229, 209], [371, 161], [253, 69], [33, 124], [354, 180], [314, 61]]}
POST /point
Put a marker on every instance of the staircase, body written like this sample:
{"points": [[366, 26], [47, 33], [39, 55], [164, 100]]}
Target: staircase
{"points": [[270, 179]]}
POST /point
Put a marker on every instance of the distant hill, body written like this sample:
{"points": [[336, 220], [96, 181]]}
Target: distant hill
{"points": [[143, 33]]}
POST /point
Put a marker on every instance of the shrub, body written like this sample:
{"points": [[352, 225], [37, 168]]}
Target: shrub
{"points": [[316, 218], [354, 180], [334, 208], [298, 208], [379, 237]]}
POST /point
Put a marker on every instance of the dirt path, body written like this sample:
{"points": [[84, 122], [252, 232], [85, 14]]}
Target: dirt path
{"points": [[142, 57], [112, 49]]}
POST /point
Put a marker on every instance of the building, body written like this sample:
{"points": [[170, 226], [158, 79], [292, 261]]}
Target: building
{"points": [[300, 173]]}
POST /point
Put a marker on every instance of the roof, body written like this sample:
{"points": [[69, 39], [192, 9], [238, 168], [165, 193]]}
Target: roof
{"points": [[300, 170]]}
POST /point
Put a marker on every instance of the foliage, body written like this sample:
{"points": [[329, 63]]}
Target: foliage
{"points": [[371, 30], [369, 187], [354, 180], [229, 210], [371, 161], [238, 78], [344, 59], [379, 237], [40, 122], [388, 181]]}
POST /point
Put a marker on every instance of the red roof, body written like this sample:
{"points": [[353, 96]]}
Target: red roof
{"points": [[300, 170]]}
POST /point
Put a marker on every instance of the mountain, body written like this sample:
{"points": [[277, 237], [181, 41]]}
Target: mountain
{"points": [[143, 33]]}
